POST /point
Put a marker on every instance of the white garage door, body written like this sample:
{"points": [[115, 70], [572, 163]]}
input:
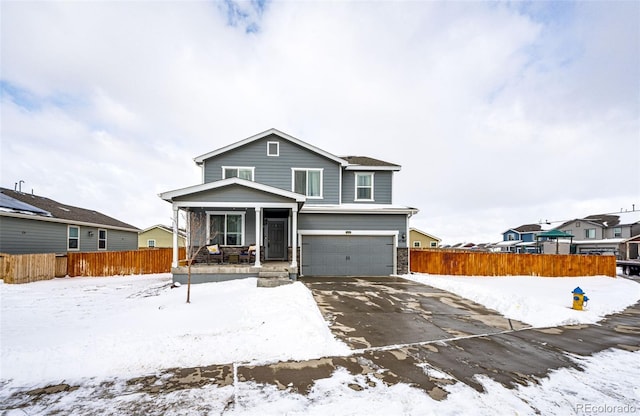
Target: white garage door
{"points": [[331, 255]]}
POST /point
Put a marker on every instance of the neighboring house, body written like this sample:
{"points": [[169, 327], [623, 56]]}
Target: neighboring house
{"points": [[325, 215], [605, 233], [34, 224], [420, 239], [160, 236], [521, 239]]}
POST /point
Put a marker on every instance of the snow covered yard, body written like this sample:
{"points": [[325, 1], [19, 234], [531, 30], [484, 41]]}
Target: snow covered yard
{"points": [[127, 326], [540, 301], [84, 331]]}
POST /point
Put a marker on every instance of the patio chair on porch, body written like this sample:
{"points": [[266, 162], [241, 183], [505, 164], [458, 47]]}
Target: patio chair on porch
{"points": [[214, 254], [248, 255]]}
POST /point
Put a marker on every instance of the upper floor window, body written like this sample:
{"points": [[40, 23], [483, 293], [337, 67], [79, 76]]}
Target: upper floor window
{"points": [[151, 243], [511, 237], [416, 244], [237, 172], [226, 228], [590, 233], [308, 182], [273, 148], [73, 238], [102, 239], [433, 244], [617, 232], [364, 186]]}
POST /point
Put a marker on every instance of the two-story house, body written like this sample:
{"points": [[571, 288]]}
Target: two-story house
{"points": [[605, 233], [290, 201], [521, 239]]}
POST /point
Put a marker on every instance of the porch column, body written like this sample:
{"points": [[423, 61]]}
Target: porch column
{"points": [[175, 236], [258, 237], [294, 237]]}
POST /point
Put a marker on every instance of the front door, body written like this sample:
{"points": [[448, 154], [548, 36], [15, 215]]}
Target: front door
{"points": [[276, 244]]}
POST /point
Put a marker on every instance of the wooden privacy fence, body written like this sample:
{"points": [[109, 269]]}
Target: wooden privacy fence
{"points": [[25, 268], [114, 263], [510, 264]]}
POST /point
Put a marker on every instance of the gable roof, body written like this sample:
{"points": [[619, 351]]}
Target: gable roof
{"points": [[613, 219], [425, 234], [368, 163], [200, 159], [526, 228], [168, 196], [163, 227], [48, 208]]}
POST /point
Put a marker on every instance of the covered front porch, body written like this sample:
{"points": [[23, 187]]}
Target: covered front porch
{"points": [[235, 228]]}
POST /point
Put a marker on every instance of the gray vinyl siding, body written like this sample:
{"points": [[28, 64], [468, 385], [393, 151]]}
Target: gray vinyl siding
{"points": [[22, 236], [235, 193], [276, 170], [382, 187], [360, 222], [117, 240], [25, 236]]}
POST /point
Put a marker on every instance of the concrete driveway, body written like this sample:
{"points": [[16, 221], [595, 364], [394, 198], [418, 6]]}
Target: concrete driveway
{"points": [[416, 334], [374, 312]]}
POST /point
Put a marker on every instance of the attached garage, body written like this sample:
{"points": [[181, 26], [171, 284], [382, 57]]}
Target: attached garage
{"points": [[347, 255]]}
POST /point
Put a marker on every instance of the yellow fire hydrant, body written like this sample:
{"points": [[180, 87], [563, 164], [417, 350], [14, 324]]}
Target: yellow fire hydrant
{"points": [[580, 299]]}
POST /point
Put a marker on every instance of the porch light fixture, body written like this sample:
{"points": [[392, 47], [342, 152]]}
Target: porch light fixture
{"points": [[347, 232], [90, 233]]}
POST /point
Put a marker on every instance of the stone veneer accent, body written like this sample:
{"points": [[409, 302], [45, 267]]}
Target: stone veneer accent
{"points": [[403, 260]]}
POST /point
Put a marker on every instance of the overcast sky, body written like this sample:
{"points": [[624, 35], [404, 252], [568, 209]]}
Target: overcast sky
{"points": [[501, 114]]}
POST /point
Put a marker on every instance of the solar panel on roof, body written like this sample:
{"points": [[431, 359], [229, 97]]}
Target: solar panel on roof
{"points": [[7, 202]]}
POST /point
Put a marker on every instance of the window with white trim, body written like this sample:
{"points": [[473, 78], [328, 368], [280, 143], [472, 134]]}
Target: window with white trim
{"points": [[307, 182], [433, 244], [416, 244], [273, 148], [226, 228], [73, 237], [102, 239], [617, 232], [590, 233], [364, 187], [241, 172], [151, 243]]}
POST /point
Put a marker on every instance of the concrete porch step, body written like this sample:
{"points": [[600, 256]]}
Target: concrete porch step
{"points": [[273, 278], [273, 281], [274, 274]]}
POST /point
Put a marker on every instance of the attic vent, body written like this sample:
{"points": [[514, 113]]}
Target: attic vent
{"points": [[64, 209]]}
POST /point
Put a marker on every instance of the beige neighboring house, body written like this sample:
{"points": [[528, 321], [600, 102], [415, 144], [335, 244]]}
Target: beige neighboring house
{"points": [[420, 239], [159, 236]]}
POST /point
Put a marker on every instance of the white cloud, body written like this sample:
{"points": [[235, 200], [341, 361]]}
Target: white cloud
{"points": [[499, 113]]}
